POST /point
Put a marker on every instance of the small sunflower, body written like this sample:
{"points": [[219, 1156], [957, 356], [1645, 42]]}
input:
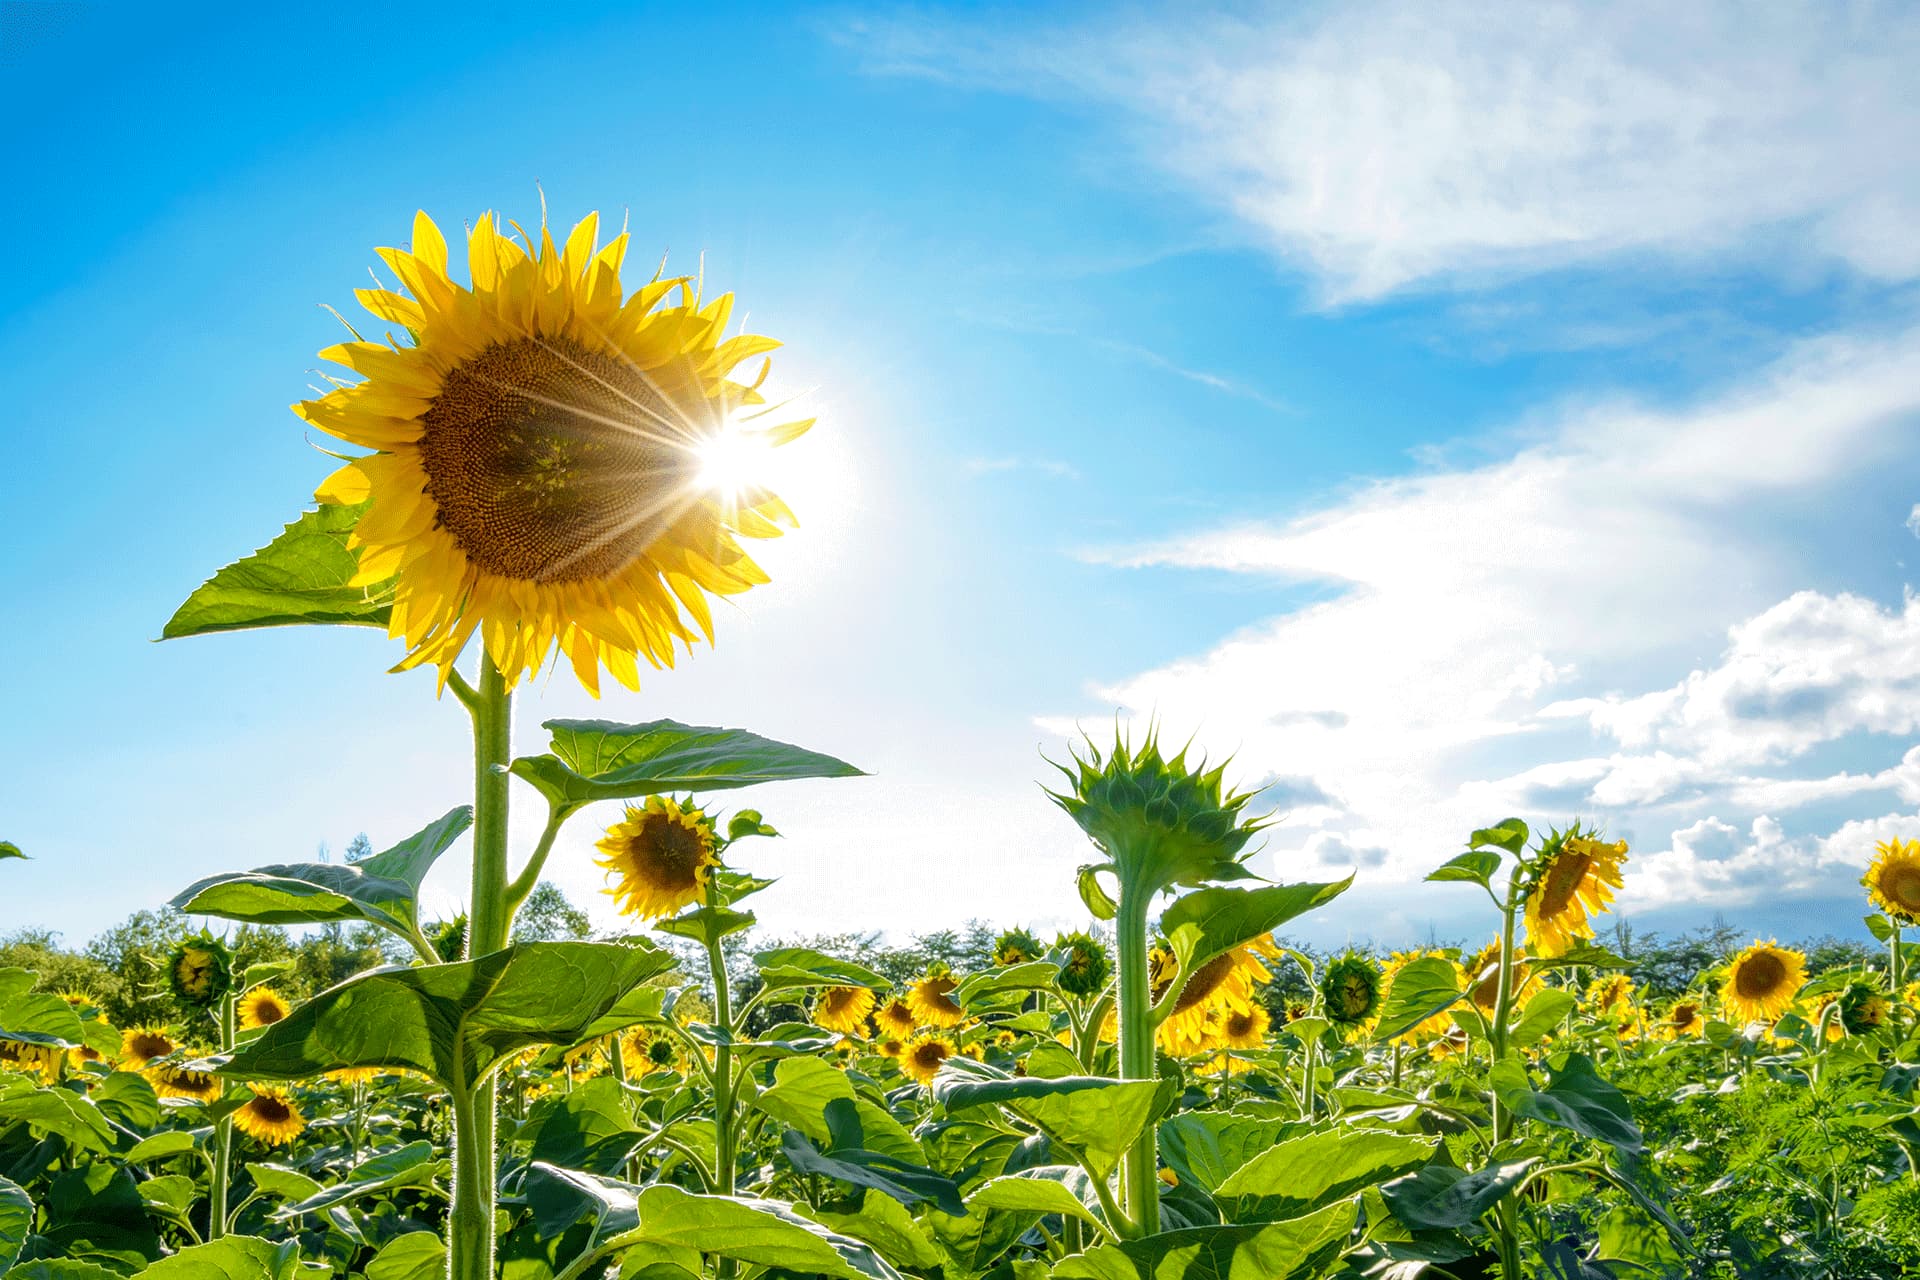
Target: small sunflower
{"points": [[1245, 1028], [262, 1007], [892, 1047], [1609, 991], [1016, 946], [546, 456], [1862, 1009], [660, 856], [1084, 966], [1573, 882], [895, 1018], [1350, 990], [1685, 1017], [931, 999], [141, 1045], [843, 1009], [200, 971], [178, 1082], [922, 1056], [269, 1116], [1893, 879], [1483, 972], [1762, 981]]}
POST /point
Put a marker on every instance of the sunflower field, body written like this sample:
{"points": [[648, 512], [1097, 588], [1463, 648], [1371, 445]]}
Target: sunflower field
{"points": [[1169, 1090]]}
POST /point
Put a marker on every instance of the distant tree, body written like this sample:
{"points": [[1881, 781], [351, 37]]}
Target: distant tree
{"points": [[359, 847], [57, 969], [1828, 952], [547, 916]]}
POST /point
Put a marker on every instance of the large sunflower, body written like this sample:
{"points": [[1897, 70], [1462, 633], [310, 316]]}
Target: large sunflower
{"points": [[931, 1000], [270, 1116], [922, 1056], [178, 1082], [661, 857], [141, 1045], [1244, 1028], [1574, 882], [894, 1018], [543, 447], [1893, 879], [843, 1009], [1222, 985], [262, 1007], [1762, 981]]}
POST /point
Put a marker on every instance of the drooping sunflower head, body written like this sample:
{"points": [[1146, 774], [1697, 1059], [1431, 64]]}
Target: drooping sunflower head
{"points": [[1893, 879], [843, 1009], [200, 971], [1350, 989], [930, 999], [32, 1059], [1084, 966], [1161, 822], [1684, 1017], [269, 1116], [1222, 985], [922, 1056], [894, 1018], [262, 1007], [1863, 1008], [660, 857], [1609, 991], [1573, 880], [1762, 982], [552, 455], [1016, 946], [141, 1045], [172, 1081]]}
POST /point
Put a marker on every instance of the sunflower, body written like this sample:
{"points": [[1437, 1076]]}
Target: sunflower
{"points": [[141, 1045], [1084, 966], [1015, 946], [1483, 972], [1893, 879], [547, 450], [178, 1082], [931, 1001], [1244, 1028], [32, 1059], [354, 1075], [1575, 881], [1609, 991], [1762, 981], [921, 1057], [661, 855], [1862, 1009], [270, 1116], [892, 1047], [1683, 1018], [843, 1009], [262, 1007], [1350, 990], [200, 971], [894, 1018], [1439, 1022]]}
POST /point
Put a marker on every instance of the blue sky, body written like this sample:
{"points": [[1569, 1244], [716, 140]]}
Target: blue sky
{"points": [[1451, 412]]}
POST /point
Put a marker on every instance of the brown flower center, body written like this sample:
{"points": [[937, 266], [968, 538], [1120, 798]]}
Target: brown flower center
{"points": [[1563, 881], [1240, 1024], [1902, 884], [929, 1056], [670, 852], [1204, 982], [270, 1109], [933, 991], [1759, 976], [548, 462]]}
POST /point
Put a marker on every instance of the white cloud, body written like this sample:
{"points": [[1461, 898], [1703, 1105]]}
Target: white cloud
{"points": [[1619, 544], [1394, 142], [1041, 466], [1913, 520]]}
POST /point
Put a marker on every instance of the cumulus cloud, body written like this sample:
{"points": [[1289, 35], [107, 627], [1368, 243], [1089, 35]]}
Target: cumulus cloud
{"points": [[1391, 143]]}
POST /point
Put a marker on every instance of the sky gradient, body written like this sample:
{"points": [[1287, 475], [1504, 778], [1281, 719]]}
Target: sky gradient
{"points": [[1446, 411]]}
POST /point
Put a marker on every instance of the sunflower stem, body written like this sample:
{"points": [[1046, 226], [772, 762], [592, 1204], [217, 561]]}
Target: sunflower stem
{"points": [[723, 1100], [1893, 957], [1141, 1168], [1505, 1215], [470, 1242], [222, 1133]]}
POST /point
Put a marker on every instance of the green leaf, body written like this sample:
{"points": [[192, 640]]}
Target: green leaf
{"points": [[1203, 923], [1254, 1251], [707, 925], [1445, 1198], [909, 1182], [8, 849], [1476, 866], [16, 1221], [884, 1223], [1509, 834], [281, 1182], [299, 577], [1543, 1013], [765, 1232], [235, 1258], [62, 1269], [1879, 926], [559, 1196], [600, 760], [803, 967], [1307, 1173], [1093, 1119], [590, 1127], [58, 1111], [159, 1146], [1578, 1099], [1205, 1147], [1630, 1236], [745, 823], [1096, 898], [1583, 954], [1033, 975], [804, 1087], [382, 890], [457, 1022], [95, 1212], [1421, 989], [413, 1165], [1055, 1188], [417, 1255]]}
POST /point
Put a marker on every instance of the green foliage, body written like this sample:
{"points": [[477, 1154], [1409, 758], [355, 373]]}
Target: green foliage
{"points": [[299, 577]]}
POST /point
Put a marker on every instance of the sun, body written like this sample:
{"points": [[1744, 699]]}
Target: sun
{"points": [[733, 463]]}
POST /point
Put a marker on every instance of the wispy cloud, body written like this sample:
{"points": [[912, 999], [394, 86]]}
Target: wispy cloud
{"points": [[1395, 143], [1040, 466]]}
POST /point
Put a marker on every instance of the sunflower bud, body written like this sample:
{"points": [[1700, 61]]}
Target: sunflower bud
{"points": [[1350, 990], [1016, 946], [1084, 966], [200, 971]]}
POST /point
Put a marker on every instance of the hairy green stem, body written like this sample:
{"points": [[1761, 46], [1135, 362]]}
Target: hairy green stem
{"points": [[724, 1173], [222, 1133], [1505, 1213], [1141, 1167]]}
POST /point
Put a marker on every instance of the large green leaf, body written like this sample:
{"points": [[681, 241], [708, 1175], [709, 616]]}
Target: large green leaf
{"points": [[1054, 1188], [589, 1127], [558, 1198], [8, 849], [57, 1111], [236, 1258], [1253, 1251], [1205, 1148], [417, 1255], [1578, 1099], [784, 967], [884, 1223], [1445, 1198], [600, 760], [1201, 924], [380, 890], [765, 1232], [1420, 989], [1476, 866], [414, 1165], [909, 1182], [1307, 1173], [299, 577], [456, 1022], [1092, 1118], [805, 1087], [16, 1221]]}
